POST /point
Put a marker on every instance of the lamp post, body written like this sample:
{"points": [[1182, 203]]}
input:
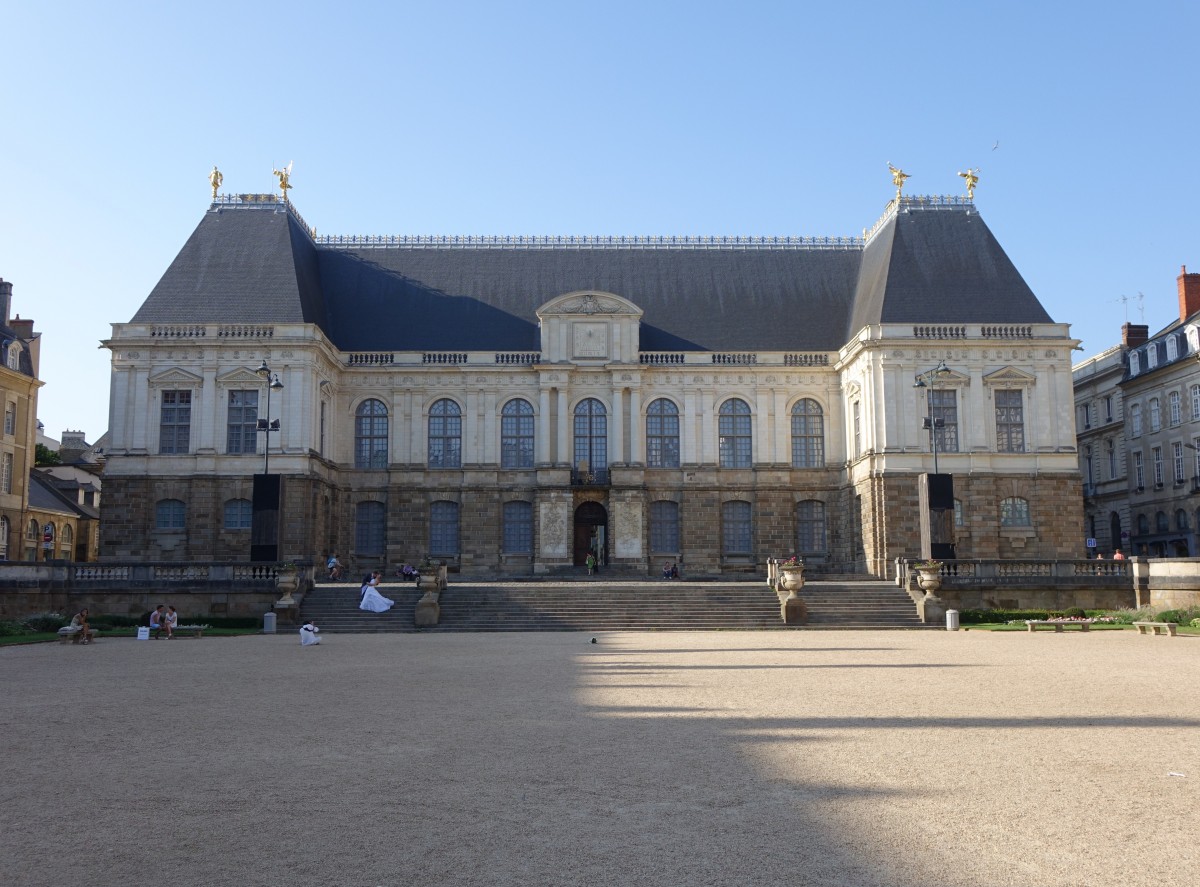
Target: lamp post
{"points": [[928, 379], [266, 425]]}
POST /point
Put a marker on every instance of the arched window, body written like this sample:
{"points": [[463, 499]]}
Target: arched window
{"points": [[664, 527], [591, 438], [238, 514], [516, 434], [445, 434], [810, 527], [736, 529], [443, 529], [66, 542], [518, 528], [736, 441], [808, 435], [662, 434], [1181, 520], [4, 537], [1135, 419], [170, 514], [1143, 525], [1161, 524], [1114, 529], [33, 536], [370, 525], [1014, 512], [371, 435]]}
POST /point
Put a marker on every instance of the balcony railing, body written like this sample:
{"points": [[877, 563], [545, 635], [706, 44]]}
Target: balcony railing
{"points": [[589, 477]]}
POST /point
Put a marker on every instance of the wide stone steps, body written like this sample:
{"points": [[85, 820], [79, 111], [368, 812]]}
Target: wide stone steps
{"points": [[614, 605]]}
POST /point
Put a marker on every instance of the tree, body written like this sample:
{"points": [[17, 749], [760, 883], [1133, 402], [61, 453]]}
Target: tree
{"points": [[43, 455]]}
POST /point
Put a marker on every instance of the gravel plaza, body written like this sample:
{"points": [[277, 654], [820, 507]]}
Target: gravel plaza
{"points": [[970, 759]]}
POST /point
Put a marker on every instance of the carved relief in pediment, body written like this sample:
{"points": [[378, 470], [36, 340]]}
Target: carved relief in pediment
{"points": [[177, 377]]}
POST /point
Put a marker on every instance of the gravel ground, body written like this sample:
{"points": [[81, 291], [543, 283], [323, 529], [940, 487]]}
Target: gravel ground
{"points": [[969, 759]]}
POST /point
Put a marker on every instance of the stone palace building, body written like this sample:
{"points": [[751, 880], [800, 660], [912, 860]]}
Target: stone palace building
{"points": [[510, 404]]}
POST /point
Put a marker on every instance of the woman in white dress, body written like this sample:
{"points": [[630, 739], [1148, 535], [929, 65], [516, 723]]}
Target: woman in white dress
{"points": [[372, 600], [309, 634]]}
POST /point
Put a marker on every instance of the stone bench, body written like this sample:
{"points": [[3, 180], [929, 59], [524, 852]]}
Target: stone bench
{"points": [[1167, 628], [66, 633], [1058, 624]]}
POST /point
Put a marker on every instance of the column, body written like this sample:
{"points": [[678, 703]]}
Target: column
{"points": [[470, 427], [542, 457], [564, 423], [616, 435], [636, 425]]}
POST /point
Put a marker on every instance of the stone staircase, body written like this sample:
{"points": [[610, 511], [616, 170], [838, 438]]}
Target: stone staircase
{"points": [[616, 605]]}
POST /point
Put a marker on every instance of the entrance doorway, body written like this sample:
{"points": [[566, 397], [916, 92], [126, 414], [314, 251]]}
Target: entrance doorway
{"points": [[591, 533]]}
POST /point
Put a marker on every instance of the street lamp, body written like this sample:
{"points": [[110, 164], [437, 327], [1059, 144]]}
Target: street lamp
{"points": [[928, 379], [266, 425]]}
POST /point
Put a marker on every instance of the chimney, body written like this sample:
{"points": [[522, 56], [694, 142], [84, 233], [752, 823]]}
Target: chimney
{"points": [[1134, 334], [23, 328], [1189, 293], [5, 300]]}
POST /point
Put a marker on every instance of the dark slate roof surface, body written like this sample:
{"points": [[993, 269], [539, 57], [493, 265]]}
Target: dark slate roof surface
{"points": [[259, 265]]}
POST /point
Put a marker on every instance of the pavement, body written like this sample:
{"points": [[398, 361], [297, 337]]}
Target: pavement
{"points": [[968, 759]]}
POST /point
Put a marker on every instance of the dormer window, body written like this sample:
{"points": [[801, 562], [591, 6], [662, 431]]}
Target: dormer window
{"points": [[1152, 356], [14, 356], [1172, 347], [1134, 363]]}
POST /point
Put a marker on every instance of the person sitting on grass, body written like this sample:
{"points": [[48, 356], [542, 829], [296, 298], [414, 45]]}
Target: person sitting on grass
{"points": [[79, 627]]}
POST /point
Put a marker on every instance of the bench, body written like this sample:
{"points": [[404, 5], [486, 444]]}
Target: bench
{"points": [[1168, 628], [66, 633], [1058, 624]]}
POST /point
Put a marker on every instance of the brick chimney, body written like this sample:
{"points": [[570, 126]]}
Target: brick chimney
{"points": [[1189, 293], [23, 328], [1134, 334]]}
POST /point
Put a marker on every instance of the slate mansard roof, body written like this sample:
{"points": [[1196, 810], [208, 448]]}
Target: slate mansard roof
{"points": [[254, 261]]}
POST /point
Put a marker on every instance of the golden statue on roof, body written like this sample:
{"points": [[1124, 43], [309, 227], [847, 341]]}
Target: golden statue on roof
{"points": [[285, 176], [898, 177], [215, 179], [972, 178]]}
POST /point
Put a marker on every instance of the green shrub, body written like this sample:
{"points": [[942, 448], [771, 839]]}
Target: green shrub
{"points": [[45, 621], [1074, 613], [1196, 623], [980, 617], [11, 629], [1130, 616], [222, 621]]}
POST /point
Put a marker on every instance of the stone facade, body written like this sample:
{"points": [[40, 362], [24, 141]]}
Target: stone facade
{"points": [[20, 532], [735, 494]]}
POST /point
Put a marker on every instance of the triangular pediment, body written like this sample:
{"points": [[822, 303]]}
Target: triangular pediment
{"points": [[1009, 376], [588, 303], [241, 376], [177, 377]]}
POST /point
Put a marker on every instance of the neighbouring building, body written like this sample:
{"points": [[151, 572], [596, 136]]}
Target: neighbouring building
{"points": [[73, 488], [1154, 380], [20, 346], [511, 404], [1100, 426]]}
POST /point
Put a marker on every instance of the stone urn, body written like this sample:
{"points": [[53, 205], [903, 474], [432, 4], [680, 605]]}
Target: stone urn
{"points": [[287, 581], [929, 577], [791, 578]]}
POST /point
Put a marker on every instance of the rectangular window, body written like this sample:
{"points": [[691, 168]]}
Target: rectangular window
{"points": [[1112, 461], [175, 422], [1175, 408], [6, 476], [943, 405], [1155, 414], [443, 529], [1084, 417], [1139, 470], [243, 422], [857, 428], [10, 419], [737, 530], [518, 528], [1158, 466], [1010, 422], [664, 527], [1108, 413], [1177, 459], [321, 439]]}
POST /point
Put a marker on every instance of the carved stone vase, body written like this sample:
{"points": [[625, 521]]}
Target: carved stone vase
{"points": [[287, 581], [929, 579], [791, 578]]}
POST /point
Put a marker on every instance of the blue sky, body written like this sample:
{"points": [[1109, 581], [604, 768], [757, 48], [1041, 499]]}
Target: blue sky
{"points": [[613, 118]]}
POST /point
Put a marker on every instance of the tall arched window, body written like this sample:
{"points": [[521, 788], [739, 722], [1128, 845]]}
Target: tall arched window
{"points": [[370, 529], [443, 529], [810, 527], [1161, 523], [445, 434], [1143, 525], [733, 426], [662, 434], [808, 435], [737, 529], [371, 435], [66, 542], [1014, 512], [4, 537], [518, 528], [664, 527], [170, 514], [516, 434], [591, 437], [33, 536]]}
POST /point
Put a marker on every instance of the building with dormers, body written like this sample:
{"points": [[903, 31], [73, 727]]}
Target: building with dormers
{"points": [[20, 347], [510, 404]]}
